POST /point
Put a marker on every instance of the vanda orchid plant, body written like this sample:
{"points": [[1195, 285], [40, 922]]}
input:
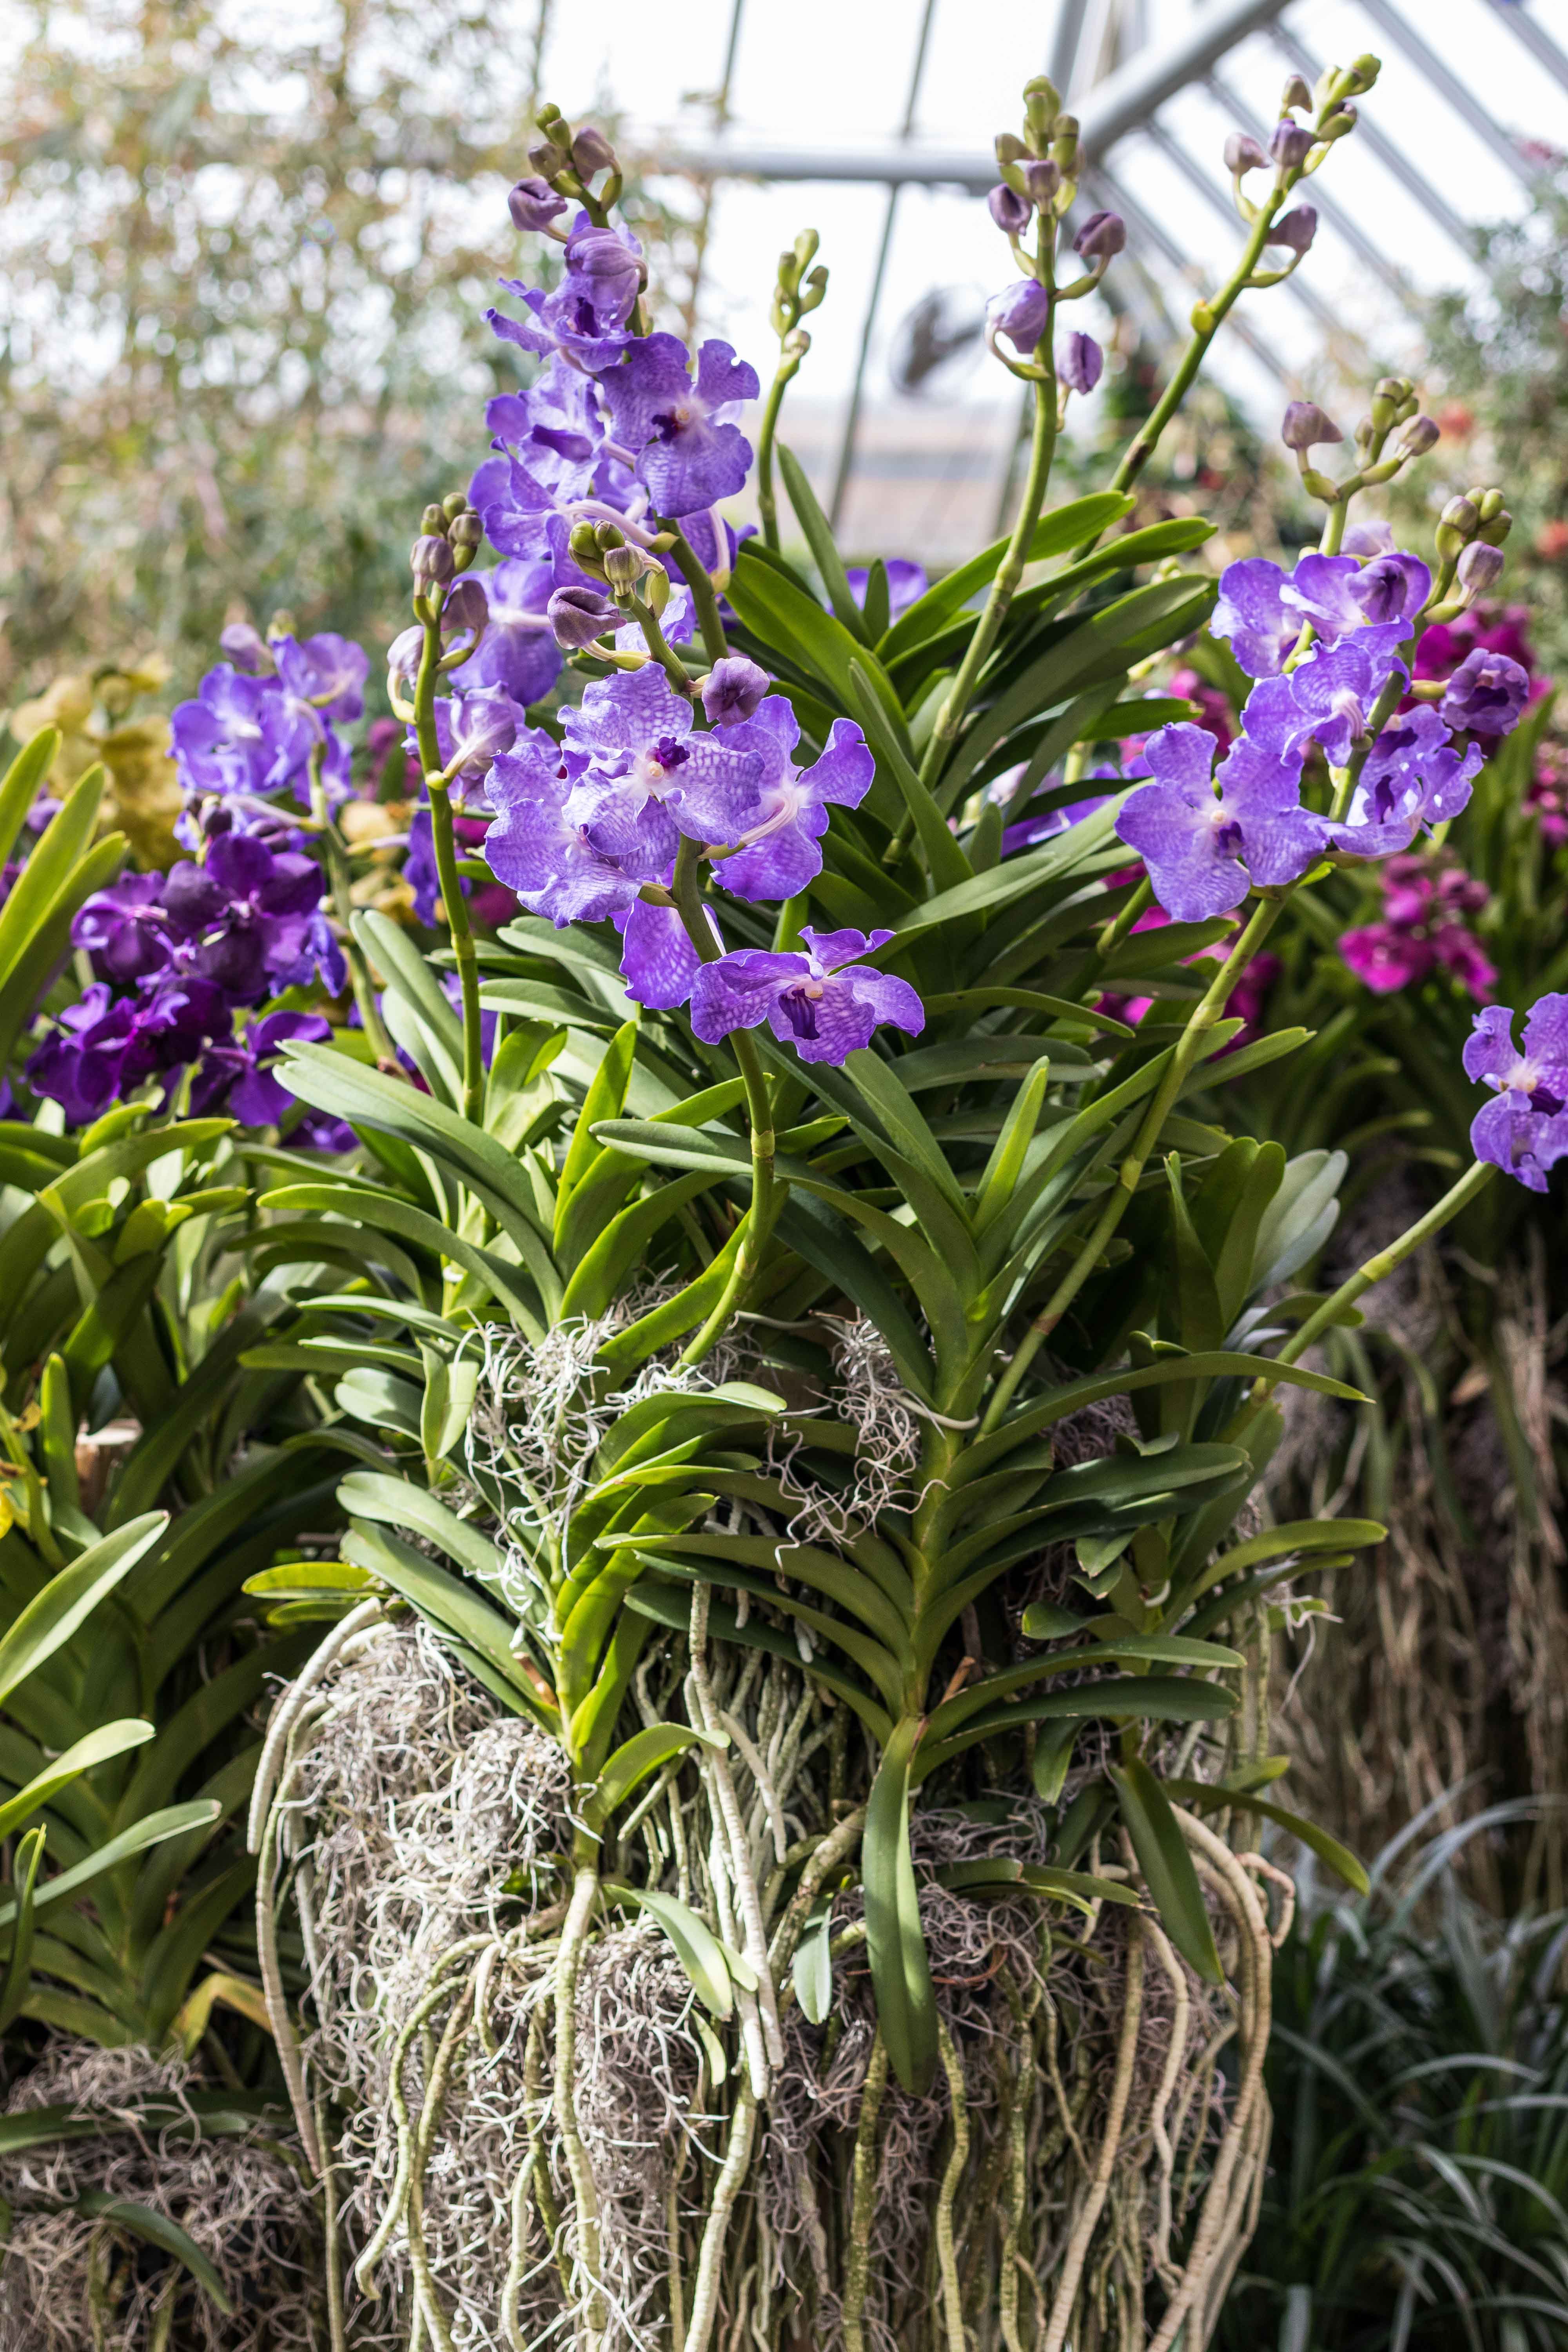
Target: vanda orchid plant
{"points": [[766, 1851]]}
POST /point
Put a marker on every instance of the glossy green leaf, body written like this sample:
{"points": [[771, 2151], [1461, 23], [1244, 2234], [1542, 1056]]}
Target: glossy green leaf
{"points": [[1169, 1871], [823, 547], [812, 1968], [895, 1941], [697, 1949], [93, 1748], [1068, 526], [15, 1983], [156, 2229], [51, 1618], [172, 1821], [1204, 1797]]}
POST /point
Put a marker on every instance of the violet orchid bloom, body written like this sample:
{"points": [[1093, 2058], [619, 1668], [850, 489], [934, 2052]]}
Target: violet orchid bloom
{"points": [[1413, 779], [229, 737], [1525, 1130], [538, 851], [82, 1066], [1326, 699], [585, 316], [320, 957], [778, 852], [639, 777], [906, 583], [1485, 694], [1461, 953], [658, 963], [327, 673], [690, 452], [518, 650], [1262, 609], [732, 690], [242, 1079], [1206, 839], [824, 1001], [474, 727], [126, 929], [243, 913]]}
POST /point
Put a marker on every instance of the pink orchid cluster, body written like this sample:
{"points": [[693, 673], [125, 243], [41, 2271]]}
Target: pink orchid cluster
{"points": [[1423, 929]]}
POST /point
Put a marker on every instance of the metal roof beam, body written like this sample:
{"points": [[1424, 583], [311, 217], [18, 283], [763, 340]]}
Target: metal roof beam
{"points": [[1540, 44], [1149, 232], [1390, 157], [1389, 21]]}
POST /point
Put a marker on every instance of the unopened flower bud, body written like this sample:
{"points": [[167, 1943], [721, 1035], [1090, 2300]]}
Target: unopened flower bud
{"points": [[466, 529], [1021, 312], [433, 519], [732, 690], [582, 547], [1304, 425], [430, 561], [1243, 154], [1416, 436], [590, 154], [549, 161], [578, 615], [1080, 362], [1295, 94], [1009, 210], [1489, 504], [534, 205], [1495, 528], [1337, 125], [1102, 235], [243, 644], [815, 289], [454, 502], [1009, 149], [607, 534], [1291, 144], [1480, 568], [1456, 526], [806, 247], [1042, 106], [625, 566], [1296, 229], [467, 607], [403, 656], [1042, 178], [1063, 144], [1363, 72]]}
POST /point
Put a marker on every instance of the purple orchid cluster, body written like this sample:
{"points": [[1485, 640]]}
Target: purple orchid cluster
{"points": [[186, 962], [1524, 1128], [1325, 641]]}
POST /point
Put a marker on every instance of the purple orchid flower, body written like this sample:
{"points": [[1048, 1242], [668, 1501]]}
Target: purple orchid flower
{"points": [[326, 673], [1206, 839], [538, 851], [518, 650], [229, 739], [689, 454], [825, 1001], [1326, 698], [82, 1066], [242, 1079], [906, 583], [243, 913], [1485, 694], [640, 778], [1262, 609], [658, 963], [585, 317], [1525, 1130], [320, 957], [1413, 780], [779, 852], [477, 726], [126, 929]]}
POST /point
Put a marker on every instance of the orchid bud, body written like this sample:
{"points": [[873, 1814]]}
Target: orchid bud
{"points": [[1417, 435], [1243, 154], [468, 607], [430, 561], [607, 534], [466, 530], [1010, 211], [1343, 121], [592, 153], [453, 504], [1495, 528], [1102, 235], [583, 548], [812, 294], [1291, 144], [434, 521], [732, 690], [403, 656], [1042, 179], [245, 648], [1480, 568], [548, 160], [625, 566], [1304, 425], [1296, 230], [578, 615], [1021, 312], [1456, 526], [1064, 145], [1295, 94], [1080, 363], [534, 205], [1008, 149], [1042, 105]]}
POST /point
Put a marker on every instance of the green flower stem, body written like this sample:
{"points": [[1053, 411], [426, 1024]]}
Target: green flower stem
{"points": [[664, 653], [1208, 319], [1471, 1184], [1183, 1059], [343, 907], [704, 595], [767, 1193], [767, 499], [452, 897]]}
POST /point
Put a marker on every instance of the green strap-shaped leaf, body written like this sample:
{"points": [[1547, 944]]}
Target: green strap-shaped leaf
{"points": [[15, 1983], [629, 1767], [24, 781], [144, 2222], [1167, 1865], [48, 866], [945, 861], [813, 1965], [1068, 526], [53, 1615], [93, 1748], [895, 1941], [201, 1813], [400, 1503], [697, 1950], [823, 547], [1203, 1798]]}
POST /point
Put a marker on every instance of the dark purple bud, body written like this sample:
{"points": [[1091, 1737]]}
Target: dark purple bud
{"points": [[1021, 312], [466, 608], [1290, 145], [592, 153], [732, 690], [1101, 235], [1480, 567], [1297, 229], [1305, 426], [1042, 178], [1008, 209], [430, 560], [1243, 154], [578, 615], [248, 649], [533, 205], [1080, 362], [610, 268]]}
